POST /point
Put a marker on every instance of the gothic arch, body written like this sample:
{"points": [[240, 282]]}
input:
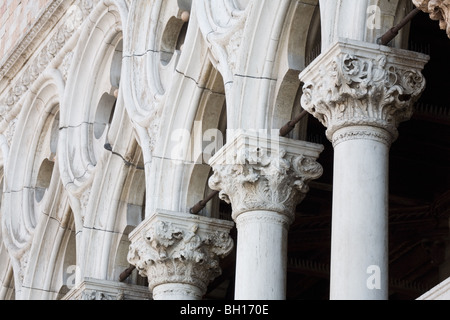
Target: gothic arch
{"points": [[53, 255], [165, 115], [97, 138], [195, 123], [259, 70], [302, 43], [33, 174], [130, 213], [88, 104], [208, 136], [115, 198]]}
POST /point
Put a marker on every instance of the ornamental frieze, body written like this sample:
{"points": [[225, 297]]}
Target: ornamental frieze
{"points": [[264, 173]]}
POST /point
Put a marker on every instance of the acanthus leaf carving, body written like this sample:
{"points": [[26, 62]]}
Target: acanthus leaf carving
{"points": [[165, 252], [222, 25], [256, 181], [353, 86]]}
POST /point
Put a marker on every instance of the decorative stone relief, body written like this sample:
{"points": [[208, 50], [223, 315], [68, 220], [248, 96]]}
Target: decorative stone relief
{"points": [[361, 84], [10, 65], [9, 132], [180, 248], [75, 16], [145, 107], [222, 24], [96, 289], [65, 66], [252, 177], [438, 9]]}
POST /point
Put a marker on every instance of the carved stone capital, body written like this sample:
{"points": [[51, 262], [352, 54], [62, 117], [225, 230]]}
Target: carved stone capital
{"points": [[438, 9], [362, 84], [261, 172], [178, 248]]}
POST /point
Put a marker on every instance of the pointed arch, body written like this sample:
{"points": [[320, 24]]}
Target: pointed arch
{"points": [[88, 103], [53, 255], [25, 186]]}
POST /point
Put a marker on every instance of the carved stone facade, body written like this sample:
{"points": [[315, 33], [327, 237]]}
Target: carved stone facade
{"points": [[180, 251], [361, 93], [118, 116], [358, 84], [264, 177], [93, 289]]}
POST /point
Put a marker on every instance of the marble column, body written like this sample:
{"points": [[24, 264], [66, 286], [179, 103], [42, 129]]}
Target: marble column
{"points": [[179, 253], [264, 177], [361, 92]]}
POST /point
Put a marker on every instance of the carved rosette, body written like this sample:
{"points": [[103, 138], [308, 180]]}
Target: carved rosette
{"points": [[361, 84], [175, 248], [253, 177], [438, 10]]}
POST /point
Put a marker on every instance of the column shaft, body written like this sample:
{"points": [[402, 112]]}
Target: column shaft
{"points": [[361, 92], [359, 250], [179, 253], [261, 256]]}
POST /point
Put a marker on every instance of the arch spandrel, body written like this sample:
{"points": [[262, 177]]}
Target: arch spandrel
{"points": [[258, 52], [300, 44], [164, 100], [155, 32], [98, 138]]}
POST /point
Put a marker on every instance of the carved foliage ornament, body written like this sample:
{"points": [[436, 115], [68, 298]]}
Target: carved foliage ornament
{"points": [[257, 181], [438, 9], [169, 254], [75, 16], [222, 23], [352, 89]]}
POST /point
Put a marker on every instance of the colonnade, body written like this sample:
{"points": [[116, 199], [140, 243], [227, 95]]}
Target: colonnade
{"points": [[360, 92]]}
